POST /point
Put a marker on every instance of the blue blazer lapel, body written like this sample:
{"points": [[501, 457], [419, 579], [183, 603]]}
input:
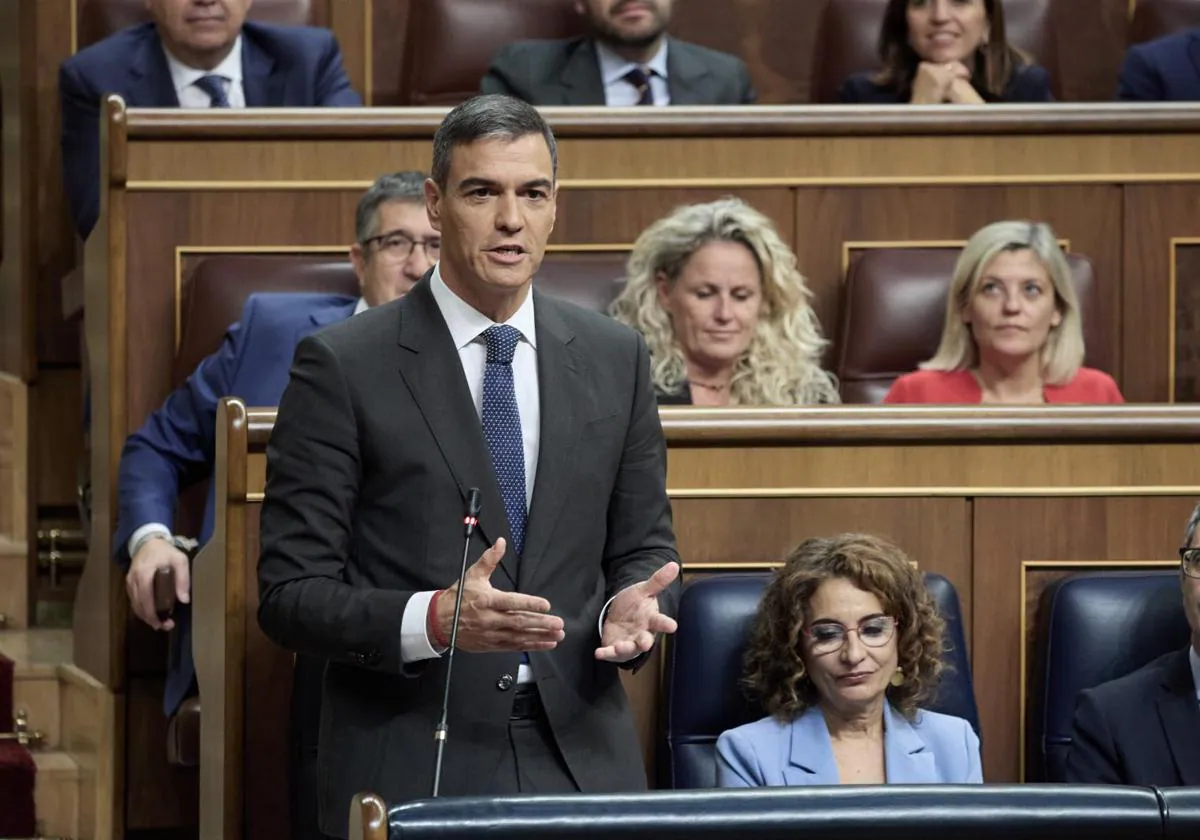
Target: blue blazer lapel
{"points": [[151, 85], [906, 758], [1194, 55], [262, 85], [323, 318], [811, 761]]}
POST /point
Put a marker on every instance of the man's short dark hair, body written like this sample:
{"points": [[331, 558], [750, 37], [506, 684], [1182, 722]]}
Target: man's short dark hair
{"points": [[486, 117], [395, 186]]}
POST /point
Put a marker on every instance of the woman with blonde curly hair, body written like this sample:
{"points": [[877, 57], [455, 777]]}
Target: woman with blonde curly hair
{"points": [[845, 648], [724, 311]]}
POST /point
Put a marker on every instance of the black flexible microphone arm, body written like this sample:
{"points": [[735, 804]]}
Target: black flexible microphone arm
{"points": [[442, 731]]}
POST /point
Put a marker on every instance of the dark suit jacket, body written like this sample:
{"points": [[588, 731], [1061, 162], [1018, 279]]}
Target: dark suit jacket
{"points": [[291, 66], [376, 443], [568, 73], [1163, 70], [1141, 729], [174, 448], [1028, 84]]}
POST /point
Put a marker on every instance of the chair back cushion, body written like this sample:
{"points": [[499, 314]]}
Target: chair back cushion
{"points": [[100, 18], [1091, 629], [893, 308], [1158, 18], [450, 43], [592, 281], [704, 670], [849, 41]]}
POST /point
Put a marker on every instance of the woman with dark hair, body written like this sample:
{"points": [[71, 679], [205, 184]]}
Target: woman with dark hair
{"points": [[845, 649], [947, 51]]}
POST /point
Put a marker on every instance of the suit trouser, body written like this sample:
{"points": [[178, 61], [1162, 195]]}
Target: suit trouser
{"points": [[305, 727]]}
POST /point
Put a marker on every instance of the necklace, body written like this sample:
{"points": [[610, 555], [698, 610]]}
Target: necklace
{"points": [[710, 387]]}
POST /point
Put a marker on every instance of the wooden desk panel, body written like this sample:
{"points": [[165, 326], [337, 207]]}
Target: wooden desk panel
{"points": [[1000, 501]]}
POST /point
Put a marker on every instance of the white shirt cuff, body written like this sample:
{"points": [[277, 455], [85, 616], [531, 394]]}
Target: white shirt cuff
{"points": [[145, 531], [414, 638]]}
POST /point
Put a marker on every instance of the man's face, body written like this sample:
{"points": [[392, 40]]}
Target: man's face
{"points": [[495, 215], [626, 23], [194, 29], [1191, 592], [404, 247]]}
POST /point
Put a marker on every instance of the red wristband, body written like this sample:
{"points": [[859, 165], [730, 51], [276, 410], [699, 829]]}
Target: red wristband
{"points": [[431, 624]]}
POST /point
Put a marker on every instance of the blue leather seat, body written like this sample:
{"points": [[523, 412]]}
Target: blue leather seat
{"points": [[704, 668], [1181, 813], [1094, 628]]}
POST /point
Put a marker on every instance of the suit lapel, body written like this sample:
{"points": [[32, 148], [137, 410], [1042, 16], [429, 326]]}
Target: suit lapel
{"points": [[810, 760], [561, 393], [906, 759], [580, 77], [323, 317], [151, 84], [686, 77], [432, 370], [263, 87], [1180, 716]]}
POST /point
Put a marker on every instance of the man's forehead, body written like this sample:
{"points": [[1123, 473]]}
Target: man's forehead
{"points": [[527, 153]]}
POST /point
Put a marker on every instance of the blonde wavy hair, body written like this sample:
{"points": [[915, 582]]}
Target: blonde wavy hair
{"points": [[1062, 354], [775, 673], [782, 365]]}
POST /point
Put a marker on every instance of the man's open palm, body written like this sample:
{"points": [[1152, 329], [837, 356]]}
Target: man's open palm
{"points": [[634, 619]]}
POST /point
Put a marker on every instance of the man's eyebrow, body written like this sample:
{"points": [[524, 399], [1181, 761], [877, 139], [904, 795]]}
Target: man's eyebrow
{"points": [[475, 183]]}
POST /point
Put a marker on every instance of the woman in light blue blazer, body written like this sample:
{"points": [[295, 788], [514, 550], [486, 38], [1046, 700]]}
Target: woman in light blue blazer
{"points": [[845, 647]]}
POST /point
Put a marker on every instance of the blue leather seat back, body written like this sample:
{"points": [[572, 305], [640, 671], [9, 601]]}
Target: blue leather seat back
{"points": [[1095, 628], [704, 669]]}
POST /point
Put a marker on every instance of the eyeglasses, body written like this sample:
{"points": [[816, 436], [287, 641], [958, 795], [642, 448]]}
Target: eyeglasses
{"points": [[399, 246], [1190, 561], [829, 636]]}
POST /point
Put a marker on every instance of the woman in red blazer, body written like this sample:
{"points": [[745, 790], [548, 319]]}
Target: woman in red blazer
{"points": [[1013, 332]]}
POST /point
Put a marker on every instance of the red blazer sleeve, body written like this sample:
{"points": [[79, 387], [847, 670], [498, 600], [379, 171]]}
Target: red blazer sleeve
{"points": [[900, 392]]}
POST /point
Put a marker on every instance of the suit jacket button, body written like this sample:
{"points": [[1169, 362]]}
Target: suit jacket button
{"points": [[505, 682]]}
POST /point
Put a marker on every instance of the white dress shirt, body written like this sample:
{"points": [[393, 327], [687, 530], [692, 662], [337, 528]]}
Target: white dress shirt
{"points": [[466, 326], [185, 77], [618, 92]]}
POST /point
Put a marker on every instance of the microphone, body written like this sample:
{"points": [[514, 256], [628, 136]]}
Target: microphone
{"points": [[442, 731]]}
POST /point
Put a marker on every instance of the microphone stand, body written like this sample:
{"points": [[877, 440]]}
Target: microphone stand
{"points": [[442, 731]]}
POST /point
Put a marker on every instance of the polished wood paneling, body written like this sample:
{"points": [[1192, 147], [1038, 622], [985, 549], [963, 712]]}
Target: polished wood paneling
{"points": [[1185, 281], [1088, 216], [57, 438], [14, 459], [1010, 531], [1153, 216], [159, 795]]}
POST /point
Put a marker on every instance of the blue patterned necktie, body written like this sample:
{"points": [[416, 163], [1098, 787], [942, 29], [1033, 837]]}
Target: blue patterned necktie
{"points": [[640, 79], [502, 427], [214, 86]]}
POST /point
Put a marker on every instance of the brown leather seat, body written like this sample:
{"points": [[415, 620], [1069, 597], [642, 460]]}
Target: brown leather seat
{"points": [[592, 281], [450, 43], [100, 18], [849, 41], [1156, 18], [894, 306]]}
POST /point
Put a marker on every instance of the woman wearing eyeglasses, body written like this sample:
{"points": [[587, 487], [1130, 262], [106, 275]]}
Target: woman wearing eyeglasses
{"points": [[845, 648]]}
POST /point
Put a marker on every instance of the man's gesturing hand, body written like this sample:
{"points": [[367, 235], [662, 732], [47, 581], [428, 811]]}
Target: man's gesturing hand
{"points": [[493, 620], [633, 618]]}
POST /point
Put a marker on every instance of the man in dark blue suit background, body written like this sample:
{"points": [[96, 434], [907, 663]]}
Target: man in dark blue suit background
{"points": [[1164, 70], [1144, 728], [395, 245], [195, 54]]}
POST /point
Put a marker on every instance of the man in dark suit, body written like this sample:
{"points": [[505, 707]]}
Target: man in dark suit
{"points": [[1163, 70], [195, 54], [473, 379], [1144, 728], [395, 245], [627, 59]]}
